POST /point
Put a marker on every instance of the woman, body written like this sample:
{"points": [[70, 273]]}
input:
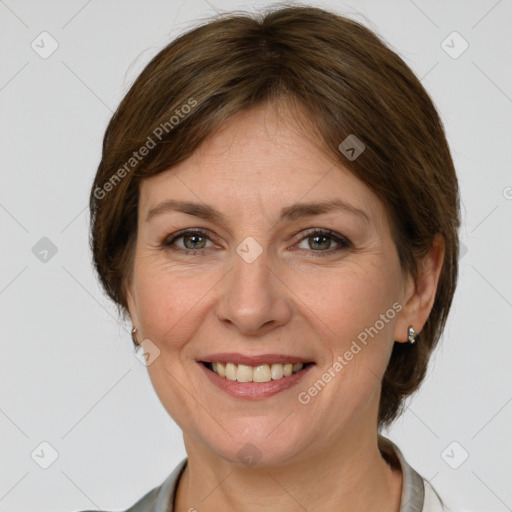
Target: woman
{"points": [[276, 211]]}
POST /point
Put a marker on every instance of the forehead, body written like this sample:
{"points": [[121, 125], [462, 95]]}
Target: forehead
{"points": [[262, 160]]}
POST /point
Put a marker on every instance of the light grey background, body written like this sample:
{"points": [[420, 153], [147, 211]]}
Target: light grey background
{"points": [[68, 375]]}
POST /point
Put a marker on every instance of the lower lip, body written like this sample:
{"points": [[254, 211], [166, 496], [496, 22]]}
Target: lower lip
{"points": [[254, 390]]}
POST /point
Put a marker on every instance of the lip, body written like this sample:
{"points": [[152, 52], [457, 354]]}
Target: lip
{"points": [[254, 390], [256, 360]]}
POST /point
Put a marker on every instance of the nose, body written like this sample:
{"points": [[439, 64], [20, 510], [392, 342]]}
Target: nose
{"points": [[254, 300]]}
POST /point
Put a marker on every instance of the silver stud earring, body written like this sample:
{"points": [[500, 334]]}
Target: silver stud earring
{"points": [[412, 334], [134, 339]]}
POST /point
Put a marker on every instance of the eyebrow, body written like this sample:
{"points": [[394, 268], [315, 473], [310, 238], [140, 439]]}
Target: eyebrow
{"points": [[293, 212]]}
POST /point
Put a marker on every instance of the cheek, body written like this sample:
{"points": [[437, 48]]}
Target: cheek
{"points": [[353, 315], [169, 301], [348, 301]]}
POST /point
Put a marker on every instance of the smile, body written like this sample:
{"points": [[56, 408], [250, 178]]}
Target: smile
{"points": [[254, 382]]}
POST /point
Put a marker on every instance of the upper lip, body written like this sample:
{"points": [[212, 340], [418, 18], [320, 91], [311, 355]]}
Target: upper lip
{"points": [[254, 360]]}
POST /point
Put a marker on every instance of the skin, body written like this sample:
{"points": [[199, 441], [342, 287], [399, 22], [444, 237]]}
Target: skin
{"points": [[319, 456]]}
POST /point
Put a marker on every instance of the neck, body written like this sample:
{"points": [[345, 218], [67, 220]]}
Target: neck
{"points": [[352, 476]]}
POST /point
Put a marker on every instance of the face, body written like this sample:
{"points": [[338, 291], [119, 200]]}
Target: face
{"points": [[265, 281]]}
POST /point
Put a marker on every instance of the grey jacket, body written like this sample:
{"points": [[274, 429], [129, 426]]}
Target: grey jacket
{"points": [[417, 493]]}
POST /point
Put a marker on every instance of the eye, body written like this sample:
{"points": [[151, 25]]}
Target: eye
{"points": [[193, 241], [319, 240]]}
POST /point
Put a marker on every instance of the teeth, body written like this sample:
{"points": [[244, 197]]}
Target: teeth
{"points": [[221, 369], [261, 373], [244, 373], [230, 371], [276, 371]]}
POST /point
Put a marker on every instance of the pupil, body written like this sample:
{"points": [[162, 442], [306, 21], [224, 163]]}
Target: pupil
{"points": [[194, 238], [319, 237]]}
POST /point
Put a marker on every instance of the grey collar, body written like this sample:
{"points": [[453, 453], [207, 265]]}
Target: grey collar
{"points": [[413, 488]]}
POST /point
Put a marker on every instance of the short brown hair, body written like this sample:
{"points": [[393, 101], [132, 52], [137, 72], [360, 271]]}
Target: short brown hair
{"points": [[341, 79]]}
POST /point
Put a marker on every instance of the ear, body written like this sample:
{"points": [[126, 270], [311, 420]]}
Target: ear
{"points": [[418, 298], [131, 302]]}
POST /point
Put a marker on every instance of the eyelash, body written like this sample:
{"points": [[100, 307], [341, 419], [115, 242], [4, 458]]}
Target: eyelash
{"points": [[342, 241]]}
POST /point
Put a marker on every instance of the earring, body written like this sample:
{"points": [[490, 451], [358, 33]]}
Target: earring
{"points": [[135, 342], [412, 334]]}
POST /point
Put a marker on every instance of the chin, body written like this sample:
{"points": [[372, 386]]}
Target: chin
{"points": [[261, 447]]}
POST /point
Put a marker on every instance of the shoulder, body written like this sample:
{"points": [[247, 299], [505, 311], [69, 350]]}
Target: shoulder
{"points": [[417, 492], [432, 501], [144, 504], [160, 498]]}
